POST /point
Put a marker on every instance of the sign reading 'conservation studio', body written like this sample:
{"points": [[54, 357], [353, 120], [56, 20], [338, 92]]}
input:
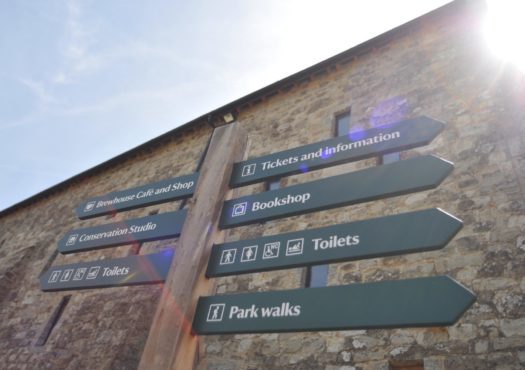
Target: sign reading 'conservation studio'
{"points": [[395, 137], [156, 227], [145, 195]]}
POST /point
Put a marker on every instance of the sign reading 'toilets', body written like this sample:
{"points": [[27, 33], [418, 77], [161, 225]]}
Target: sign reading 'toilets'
{"points": [[410, 232], [141, 196], [355, 146], [132, 270]]}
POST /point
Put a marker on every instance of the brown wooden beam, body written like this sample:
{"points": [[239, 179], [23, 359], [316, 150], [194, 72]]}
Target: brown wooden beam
{"points": [[171, 343]]}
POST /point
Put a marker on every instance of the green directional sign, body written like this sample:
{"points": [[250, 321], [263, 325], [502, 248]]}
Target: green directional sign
{"points": [[356, 146], [141, 196], [411, 232], [132, 270], [431, 301], [156, 227], [403, 177]]}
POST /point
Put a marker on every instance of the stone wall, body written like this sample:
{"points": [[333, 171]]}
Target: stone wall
{"points": [[99, 328], [437, 68]]}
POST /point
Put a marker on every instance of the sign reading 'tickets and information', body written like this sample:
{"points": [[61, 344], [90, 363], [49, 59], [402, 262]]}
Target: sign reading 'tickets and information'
{"points": [[431, 301], [411, 232], [132, 270], [355, 146], [403, 177], [156, 227], [141, 196]]}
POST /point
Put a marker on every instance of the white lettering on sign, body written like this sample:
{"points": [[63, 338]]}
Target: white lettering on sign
{"points": [[133, 229], [279, 163], [278, 202], [286, 309], [182, 185], [335, 241], [115, 271], [139, 195], [116, 200], [329, 151]]}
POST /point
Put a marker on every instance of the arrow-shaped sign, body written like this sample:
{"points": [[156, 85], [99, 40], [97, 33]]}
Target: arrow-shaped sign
{"points": [[132, 270], [432, 301], [141, 196], [411, 232], [403, 177], [156, 227], [395, 137]]}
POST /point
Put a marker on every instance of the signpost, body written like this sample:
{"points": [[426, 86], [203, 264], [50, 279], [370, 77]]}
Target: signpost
{"points": [[141, 196], [356, 146], [133, 270], [411, 232], [156, 227], [403, 177], [431, 301]]}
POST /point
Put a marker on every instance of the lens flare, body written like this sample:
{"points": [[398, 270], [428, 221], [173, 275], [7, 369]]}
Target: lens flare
{"points": [[504, 29]]}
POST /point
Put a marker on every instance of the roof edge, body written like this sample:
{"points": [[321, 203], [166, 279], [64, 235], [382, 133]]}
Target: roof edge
{"points": [[211, 117]]}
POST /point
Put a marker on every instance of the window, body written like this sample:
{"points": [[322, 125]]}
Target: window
{"points": [[342, 123], [316, 276], [389, 158], [53, 320], [273, 185]]}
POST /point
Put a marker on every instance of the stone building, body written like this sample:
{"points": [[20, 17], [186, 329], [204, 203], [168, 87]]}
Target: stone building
{"points": [[436, 66]]}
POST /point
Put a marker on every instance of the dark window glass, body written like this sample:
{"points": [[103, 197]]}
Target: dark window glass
{"points": [[53, 320], [273, 185], [342, 124], [390, 158], [317, 276]]}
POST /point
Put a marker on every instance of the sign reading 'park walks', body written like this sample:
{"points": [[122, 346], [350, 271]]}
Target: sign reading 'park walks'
{"points": [[156, 227], [431, 301], [145, 195], [403, 177], [411, 232], [132, 270], [359, 145]]}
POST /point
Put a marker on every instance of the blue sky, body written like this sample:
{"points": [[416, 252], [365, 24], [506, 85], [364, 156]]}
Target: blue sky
{"points": [[83, 81]]}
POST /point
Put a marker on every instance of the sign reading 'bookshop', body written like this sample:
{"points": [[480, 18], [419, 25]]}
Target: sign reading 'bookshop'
{"points": [[145, 195], [143, 269], [411, 232], [403, 177], [364, 144], [432, 301], [156, 227]]}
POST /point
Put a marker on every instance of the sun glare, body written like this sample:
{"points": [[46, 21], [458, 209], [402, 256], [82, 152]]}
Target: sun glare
{"points": [[505, 30]]}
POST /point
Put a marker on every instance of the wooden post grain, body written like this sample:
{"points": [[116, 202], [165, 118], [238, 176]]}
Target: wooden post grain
{"points": [[170, 343]]}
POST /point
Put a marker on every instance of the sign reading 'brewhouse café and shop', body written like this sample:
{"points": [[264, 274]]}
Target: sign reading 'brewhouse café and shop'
{"points": [[132, 270], [411, 232], [403, 177], [358, 145], [145, 195], [156, 227]]}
